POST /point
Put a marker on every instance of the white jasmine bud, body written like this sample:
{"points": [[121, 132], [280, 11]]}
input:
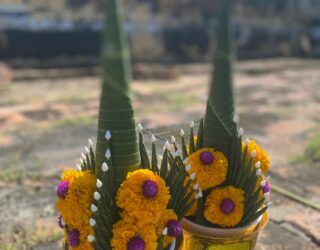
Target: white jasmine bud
{"points": [[153, 139], [241, 131], [139, 127], [191, 124], [92, 222], [108, 154], [269, 203], [104, 167], [236, 118], [167, 145], [108, 135], [258, 164], [165, 231], [90, 238], [94, 208], [200, 194], [81, 161], [259, 172], [182, 132], [97, 196], [177, 153], [247, 141], [99, 183], [185, 161], [188, 168], [173, 139], [79, 167], [62, 222], [263, 183], [196, 186], [90, 142], [83, 156], [253, 153], [86, 149], [192, 176]]}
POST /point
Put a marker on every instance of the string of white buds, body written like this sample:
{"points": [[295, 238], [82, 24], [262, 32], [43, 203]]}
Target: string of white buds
{"points": [[182, 132], [92, 222], [104, 167], [241, 131], [193, 176], [196, 186], [165, 231], [153, 139], [96, 196], [191, 125], [108, 135], [188, 168], [90, 142], [99, 183], [139, 127], [253, 154], [90, 238], [108, 154], [94, 208], [258, 164]]}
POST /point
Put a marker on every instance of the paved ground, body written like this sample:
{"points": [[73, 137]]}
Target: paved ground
{"points": [[44, 124]]}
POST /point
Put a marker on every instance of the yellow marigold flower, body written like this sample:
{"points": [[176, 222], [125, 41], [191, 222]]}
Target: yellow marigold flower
{"points": [[225, 206], [129, 236], [75, 207], [261, 155], [166, 216], [77, 237], [210, 167], [143, 196]]}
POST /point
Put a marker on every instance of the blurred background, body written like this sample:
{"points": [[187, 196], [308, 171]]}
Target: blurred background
{"points": [[50, 85]]}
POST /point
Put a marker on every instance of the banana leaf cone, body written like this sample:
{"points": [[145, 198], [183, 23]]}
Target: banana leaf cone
{"points": [[220, 106], [116, 113]]}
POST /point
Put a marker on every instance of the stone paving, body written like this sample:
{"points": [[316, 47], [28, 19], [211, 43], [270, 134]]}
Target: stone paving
{"points": [[45, 123]]}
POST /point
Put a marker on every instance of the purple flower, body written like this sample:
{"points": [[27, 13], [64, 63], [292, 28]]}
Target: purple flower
{"points": [[150, 189], [136, 243], [74, 238], [227, 206], [266, 188], [62, 189], [174, 228], [206, 158], [60, 222]]}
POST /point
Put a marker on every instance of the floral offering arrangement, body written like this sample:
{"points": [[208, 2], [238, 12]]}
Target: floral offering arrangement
{"points": [[120, 197]]}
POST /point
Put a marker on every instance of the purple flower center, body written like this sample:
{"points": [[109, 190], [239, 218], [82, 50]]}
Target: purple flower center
{"points": [[150, 189], [61, 225], [174, 228], [206, 158], [74, 238], [62, 189], [266, 188], [136, 243], [227, 206]]}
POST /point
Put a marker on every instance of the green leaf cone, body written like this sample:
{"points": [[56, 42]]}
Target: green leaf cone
{"points": [[220, 106], [116, 113]]}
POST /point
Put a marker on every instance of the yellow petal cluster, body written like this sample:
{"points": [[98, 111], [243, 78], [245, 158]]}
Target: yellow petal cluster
{"points": [[261, 155], [135, 206], [75, 208], [123, 232], [210, 175], [166, 216], [212, 211]]}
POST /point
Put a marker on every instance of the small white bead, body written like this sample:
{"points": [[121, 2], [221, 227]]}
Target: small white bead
{"points": [[108, 135], [191, 124], [86, 149], [188, 168], [185, 161], [90, 238], [167, 145], [259, 172], [96, 196], [200, 194], [153, 139], [258, 164], [83, 156], [90, 142], [196, 186], [173, 139], [197, 196], [79, 167], [139, 127], [241, 131], [108, 154], [182, 132], [99, 183], [247, 141], [92, 222], [192, 176], [104, 167], [253, 153], [263, 183], [165, 231], [94, 208]]}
